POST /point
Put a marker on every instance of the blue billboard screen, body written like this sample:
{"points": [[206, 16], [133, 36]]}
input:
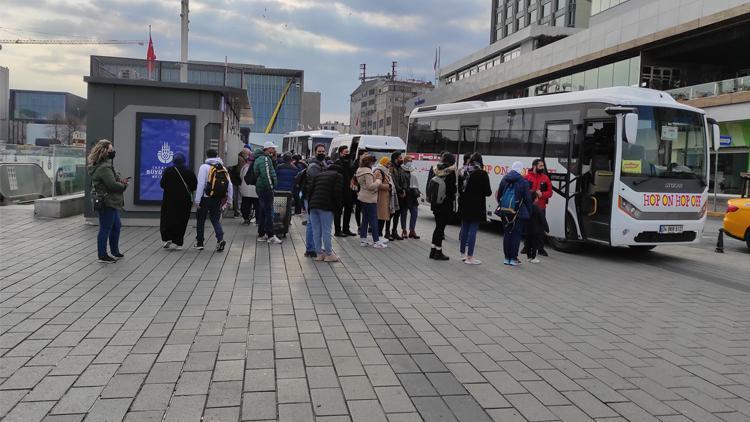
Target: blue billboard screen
{"points": [[159, 139]]}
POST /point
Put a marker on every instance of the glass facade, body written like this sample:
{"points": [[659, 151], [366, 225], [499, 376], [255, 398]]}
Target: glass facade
{"points": [[265, 92], [511, 16], [37, 105], [598, 6], [622, 73]]}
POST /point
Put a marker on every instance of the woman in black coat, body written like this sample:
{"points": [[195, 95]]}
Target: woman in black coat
{"points": [[472, 205], [178, 182]]}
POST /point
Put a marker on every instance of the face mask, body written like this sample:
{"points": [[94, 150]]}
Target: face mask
{"points": [[111, 154], [320, 157], [540, 171]]}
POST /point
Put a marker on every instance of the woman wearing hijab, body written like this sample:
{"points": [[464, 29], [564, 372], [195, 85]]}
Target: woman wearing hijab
{"points": [[472, 205], [179, 183], [514, 224], [386, 192]]}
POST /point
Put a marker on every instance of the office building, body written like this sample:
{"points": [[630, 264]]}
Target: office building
{"points": [[511, 16], [4, 103], [337, 126], [310, 110], [693, 49], [268, 89], [379, 105], [45, 117]]}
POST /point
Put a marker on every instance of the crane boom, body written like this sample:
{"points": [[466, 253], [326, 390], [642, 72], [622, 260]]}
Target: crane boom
{"points": [[77, 42]]}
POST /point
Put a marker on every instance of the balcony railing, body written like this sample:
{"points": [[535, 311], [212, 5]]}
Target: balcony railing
{"points": [[165, 71], [711, 89]]}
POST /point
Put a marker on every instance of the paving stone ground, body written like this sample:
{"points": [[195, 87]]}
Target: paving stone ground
{"points": [[261, 333]]}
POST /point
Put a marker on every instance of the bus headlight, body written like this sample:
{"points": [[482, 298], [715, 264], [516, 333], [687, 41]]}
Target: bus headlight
{"points": [[628, 208]]}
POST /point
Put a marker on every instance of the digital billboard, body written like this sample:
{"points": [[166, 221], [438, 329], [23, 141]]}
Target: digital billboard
{"points": [[158, 138]]}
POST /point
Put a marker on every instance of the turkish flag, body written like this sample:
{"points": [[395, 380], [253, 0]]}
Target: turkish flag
{"points": [[150, 57]]}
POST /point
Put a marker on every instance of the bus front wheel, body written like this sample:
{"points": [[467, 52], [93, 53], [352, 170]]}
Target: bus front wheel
{"points": [[563, 245], [643, 248]]}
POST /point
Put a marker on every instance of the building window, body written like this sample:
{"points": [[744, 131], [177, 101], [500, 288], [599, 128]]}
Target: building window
{"points": [[546, 9], [380, 123], [560, 4], [520, 5], [519, 23], [388, 121], [598, 6], [532, 17], [560, 20], [512, 54], [508, 29]]}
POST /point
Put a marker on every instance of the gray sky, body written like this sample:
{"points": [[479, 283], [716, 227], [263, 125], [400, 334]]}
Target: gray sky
{"points": [[327, 39]]}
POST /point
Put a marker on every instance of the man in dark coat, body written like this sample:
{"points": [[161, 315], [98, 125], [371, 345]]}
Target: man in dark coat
{"points": [[179, 183], [324, 198], [344, 166]]}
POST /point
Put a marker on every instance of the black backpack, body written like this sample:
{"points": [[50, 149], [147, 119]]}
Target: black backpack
{"points": [[299, 180], [217, 185], [251, 177]]}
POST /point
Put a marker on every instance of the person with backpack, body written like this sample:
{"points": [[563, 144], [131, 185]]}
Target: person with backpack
{"points": [[324, 199], [315, 166], [264, 172], [441, 193], [472, 205], [107, 188], [248, 194], [386, 193], [178, 183], [514, 208], [211, 195], [343, 216], [286, 173], [540, 183], [536, 230], [367, 195], [412, 198]]}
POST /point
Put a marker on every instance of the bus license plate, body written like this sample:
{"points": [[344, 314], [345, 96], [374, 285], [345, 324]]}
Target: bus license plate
{"points": [[670, 229]]}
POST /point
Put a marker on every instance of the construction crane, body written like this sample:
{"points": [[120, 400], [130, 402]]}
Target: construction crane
{"points": [[70, 42]]}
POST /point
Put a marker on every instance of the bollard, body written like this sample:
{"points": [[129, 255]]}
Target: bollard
{"points": [[720, 242]]}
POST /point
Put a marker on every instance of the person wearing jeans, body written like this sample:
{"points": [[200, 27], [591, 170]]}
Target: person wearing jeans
{"points": [[208, 206], [108, 187], [472, 205], [412, 198], [325, 193], [211, 208], [368, 198], [514, 224], [264, 168]]}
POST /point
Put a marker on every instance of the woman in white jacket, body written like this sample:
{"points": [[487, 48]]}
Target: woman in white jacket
{"points": [[249, 202]]}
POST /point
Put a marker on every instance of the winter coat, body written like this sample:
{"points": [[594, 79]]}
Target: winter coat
{"points": [[400, 182], [247, 191], [413, 193], [384, 192], [286, 173], [472, 203], [369, 186], [535, 183], [104, 182], [265, 168], [344, 167], [537, 225], [449, 173], [325, 191], [521, 187], [314, 168], [203, 179]]}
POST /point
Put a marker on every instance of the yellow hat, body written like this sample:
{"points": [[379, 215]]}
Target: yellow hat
{"points": [[384, 161]]}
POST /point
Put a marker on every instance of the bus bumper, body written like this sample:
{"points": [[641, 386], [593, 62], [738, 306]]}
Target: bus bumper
{"points": [[660, 232]]}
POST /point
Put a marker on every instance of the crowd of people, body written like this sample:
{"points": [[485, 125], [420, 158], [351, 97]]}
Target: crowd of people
{"points": [[382, 193]]}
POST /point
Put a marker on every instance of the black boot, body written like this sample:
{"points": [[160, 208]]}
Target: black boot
{"points": [[439, 255], [432, 253]]}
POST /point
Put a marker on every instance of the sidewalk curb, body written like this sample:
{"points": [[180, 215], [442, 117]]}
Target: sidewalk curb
{"points": [[716, 214]]}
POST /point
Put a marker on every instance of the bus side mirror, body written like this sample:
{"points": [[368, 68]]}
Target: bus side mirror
{"points": [[631, 128], [716, 136]]}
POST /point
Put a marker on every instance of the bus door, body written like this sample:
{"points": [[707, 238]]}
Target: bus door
{"points": [[595, 190], [557, 154]]}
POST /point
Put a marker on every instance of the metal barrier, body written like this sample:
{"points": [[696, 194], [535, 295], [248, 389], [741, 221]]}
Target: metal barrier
{"points": [[21, 182]]}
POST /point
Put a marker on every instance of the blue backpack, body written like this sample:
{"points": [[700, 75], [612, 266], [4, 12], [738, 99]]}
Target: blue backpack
{"points": [[508, 205]]}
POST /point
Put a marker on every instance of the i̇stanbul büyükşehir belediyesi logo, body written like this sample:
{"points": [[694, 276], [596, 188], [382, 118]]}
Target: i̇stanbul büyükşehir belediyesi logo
{"points": [[165, 154]]}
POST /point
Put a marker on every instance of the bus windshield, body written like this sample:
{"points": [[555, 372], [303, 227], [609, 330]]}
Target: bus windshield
{"points": [[671, 144]]}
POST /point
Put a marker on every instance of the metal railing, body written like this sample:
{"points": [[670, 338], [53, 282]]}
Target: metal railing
{"points": [[166, 71], [62, 166], [711, 89]]}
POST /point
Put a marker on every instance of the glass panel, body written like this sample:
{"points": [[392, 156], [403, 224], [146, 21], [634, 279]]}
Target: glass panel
{"points": [[605, 76], [621, 70], [635, 71], [546, 9], [578, 82], [591, 78], [533, 17]]}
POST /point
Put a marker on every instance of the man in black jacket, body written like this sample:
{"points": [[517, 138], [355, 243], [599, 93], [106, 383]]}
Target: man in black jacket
{"points": [[324, 198], [344, 166], [401, 180]]}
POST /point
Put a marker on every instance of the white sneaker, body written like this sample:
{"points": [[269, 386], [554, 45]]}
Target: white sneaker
{"points": [[167, 244], [178, 248], [535, 261], [364, 243], [263, 238], [383, 240], [380, 245], [472, 261], [463, 257], [275, 240]]}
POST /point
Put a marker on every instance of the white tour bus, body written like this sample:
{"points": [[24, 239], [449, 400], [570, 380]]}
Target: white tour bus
{"points": [[376, 145], [629, 166], [303, 142]]}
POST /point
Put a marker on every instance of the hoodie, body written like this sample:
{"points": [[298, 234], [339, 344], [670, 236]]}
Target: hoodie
{"points": [[203, 179], [265, 168], [521, 186]]}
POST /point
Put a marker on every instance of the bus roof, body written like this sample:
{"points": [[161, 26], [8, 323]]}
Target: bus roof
{"points": [[314, 133], [619, 96], [375, 141]]}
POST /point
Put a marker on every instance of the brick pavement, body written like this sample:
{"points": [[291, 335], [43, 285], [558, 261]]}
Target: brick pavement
{"points": [[261, 333]]}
